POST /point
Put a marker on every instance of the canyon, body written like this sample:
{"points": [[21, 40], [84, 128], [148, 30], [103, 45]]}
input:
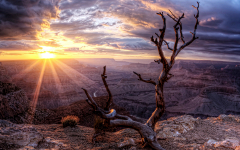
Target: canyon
{"points": [[199, 88], [202, 104]]}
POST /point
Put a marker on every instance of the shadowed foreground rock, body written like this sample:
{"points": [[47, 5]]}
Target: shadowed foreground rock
{"points": [[182, 133], [18, 135]]}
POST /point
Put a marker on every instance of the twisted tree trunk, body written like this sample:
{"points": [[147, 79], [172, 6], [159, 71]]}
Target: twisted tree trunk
{"points": [[112, 119]]}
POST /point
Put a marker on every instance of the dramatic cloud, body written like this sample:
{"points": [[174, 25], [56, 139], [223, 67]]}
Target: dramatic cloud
{"points": [[72, 49], [24, 19], [121, 27], [17, 46], [76, 4], [51, 43]]}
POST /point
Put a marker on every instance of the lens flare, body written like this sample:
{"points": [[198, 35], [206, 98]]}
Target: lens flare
{"points": [[47, 55]]}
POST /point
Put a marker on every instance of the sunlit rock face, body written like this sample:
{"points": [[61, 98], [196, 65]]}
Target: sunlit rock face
{"points": [[187, 132]]}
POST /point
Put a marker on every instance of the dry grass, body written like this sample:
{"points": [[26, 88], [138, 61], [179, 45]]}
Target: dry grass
{"points": [[71, 121]]}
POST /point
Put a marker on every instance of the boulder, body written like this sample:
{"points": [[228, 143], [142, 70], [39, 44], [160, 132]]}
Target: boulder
{"points": [[128, 142], [175, 126], [230, 142], [56, 144], [229, 118]]}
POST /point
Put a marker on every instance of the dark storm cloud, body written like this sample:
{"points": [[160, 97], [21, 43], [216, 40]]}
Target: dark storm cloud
{"points": [[219, 49], [212, 22], [77, 4], [17, 46], [23, 19], [219, 23]]}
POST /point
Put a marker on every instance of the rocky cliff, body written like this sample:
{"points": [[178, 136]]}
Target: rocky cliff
{"points": [[182, 133], [14, 104]]}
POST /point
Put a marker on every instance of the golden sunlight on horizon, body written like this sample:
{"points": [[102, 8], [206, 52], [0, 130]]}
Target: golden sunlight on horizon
{"points": [[47, 55]]}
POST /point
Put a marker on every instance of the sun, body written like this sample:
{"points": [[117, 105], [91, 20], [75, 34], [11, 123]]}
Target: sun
{"points": [[47, 55]]}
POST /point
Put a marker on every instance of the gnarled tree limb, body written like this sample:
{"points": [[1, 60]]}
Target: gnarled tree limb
{"points": [[109, 101], [161, 38], [147, 130], [167, 45], [180, 25], [193, 34], [148, 135], [147, 81]]}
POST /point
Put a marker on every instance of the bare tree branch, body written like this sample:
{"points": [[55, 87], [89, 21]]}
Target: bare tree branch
{"points": [[141, 79], [176, 31], [169, 77], [112, 119], [154, 41], [181, 34], [109, 101], [158, 61], [174, 17], [98, 110], [193, 34], [180, 25], [168, 45], [161, 38], [148, 135], [90, 100]]}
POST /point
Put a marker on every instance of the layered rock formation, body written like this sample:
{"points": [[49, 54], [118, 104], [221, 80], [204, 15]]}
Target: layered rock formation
{"points": [[195, 88]]}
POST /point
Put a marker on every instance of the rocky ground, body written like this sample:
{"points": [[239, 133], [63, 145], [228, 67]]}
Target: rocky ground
{"points": [[183, 133]]}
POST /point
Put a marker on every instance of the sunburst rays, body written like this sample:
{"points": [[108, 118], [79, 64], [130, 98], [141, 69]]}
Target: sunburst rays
{"points": [[73, 74], [76, 79], [55, 77], [37, 91], [22, 73]]}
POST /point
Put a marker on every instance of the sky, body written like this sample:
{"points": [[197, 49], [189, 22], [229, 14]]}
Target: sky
{"points": [[119, 29]]}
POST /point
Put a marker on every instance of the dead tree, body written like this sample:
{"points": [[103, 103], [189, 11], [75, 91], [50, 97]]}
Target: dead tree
{"points": [[112, 119]]}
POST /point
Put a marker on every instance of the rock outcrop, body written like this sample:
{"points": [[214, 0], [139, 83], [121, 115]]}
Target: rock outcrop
{"points": [[182, 133], [18, 135], [14, 104]]}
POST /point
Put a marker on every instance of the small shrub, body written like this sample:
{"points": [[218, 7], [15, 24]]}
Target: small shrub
{"points": [[70, 121]]}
